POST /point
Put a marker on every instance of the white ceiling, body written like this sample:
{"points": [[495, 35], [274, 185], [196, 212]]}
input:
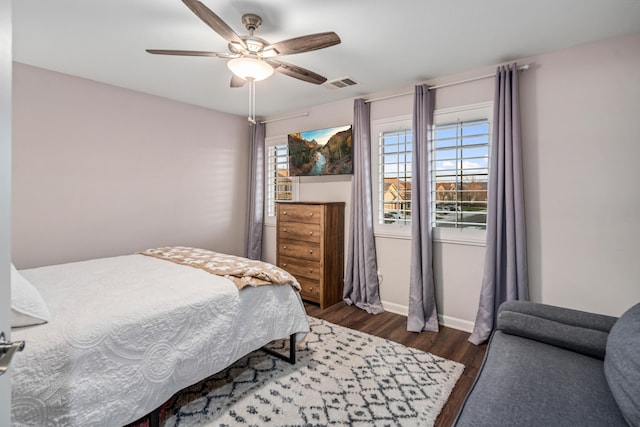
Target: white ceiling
{"points": [[385, 44]]}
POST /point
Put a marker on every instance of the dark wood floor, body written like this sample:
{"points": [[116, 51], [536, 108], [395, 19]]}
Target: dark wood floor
{"points": [[448, 343]]}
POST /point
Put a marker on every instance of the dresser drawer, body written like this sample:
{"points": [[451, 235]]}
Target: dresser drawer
{"points": [[310, 289], [299, 231], [300, 213], [300, 268], [308, 251]]}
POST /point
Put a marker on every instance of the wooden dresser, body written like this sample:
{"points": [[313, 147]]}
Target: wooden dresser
{"points": [[310, 245]]}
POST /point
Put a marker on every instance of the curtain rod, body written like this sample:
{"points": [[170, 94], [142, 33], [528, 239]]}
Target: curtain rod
{"points": [[285, 118], [472, 79]]}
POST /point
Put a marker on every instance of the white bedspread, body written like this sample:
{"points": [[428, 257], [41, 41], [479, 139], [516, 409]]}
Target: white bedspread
{"points": [[128, 332]]}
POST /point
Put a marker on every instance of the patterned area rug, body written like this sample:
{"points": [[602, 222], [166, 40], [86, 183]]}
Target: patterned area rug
{"points": [[342, 377]]}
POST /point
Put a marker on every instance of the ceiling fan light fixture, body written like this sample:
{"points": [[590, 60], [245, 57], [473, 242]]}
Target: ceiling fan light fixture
{"points": [[254, 46], [250, 68], [269, 52]]}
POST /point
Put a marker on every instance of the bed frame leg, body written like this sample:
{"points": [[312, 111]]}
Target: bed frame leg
{"points": [[154, 418], [292, 351]]}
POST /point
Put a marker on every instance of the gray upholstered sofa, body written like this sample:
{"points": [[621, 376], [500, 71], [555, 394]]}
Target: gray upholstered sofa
{"points": [[552, 366]]}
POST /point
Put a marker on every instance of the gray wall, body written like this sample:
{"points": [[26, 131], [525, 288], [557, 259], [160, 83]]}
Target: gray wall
{"points": [[580, 133], [101, 171]]}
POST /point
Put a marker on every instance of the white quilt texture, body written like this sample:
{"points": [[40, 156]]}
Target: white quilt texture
{"points": [[128, 332]]}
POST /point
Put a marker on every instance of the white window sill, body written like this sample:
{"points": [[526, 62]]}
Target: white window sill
{"points": [[460, 236], [391, 235], [448, 236]]}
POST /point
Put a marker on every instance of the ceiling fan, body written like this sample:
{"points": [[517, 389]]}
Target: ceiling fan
{"points": [[252, 58]]}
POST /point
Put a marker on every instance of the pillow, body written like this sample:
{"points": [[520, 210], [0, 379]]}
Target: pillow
{"points": [[621, 364], [27, 305], [575, 338]]}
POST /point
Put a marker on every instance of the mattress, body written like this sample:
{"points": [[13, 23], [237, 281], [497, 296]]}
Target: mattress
{"points": [[128, 332]]}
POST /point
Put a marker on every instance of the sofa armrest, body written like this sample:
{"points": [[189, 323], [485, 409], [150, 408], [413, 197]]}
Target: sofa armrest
{"points": [[574, 330]]}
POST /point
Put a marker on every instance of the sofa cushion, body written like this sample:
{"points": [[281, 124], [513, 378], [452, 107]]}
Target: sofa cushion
{"points": [[622, 364], [582, 340], [566, 316], [528, 383]]}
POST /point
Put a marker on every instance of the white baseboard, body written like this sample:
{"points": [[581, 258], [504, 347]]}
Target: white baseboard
{"points": [[455, 323], [448, 321], [395, 308]]}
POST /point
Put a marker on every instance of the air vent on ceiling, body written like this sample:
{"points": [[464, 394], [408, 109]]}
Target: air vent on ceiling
{"points": [[340, 83]]}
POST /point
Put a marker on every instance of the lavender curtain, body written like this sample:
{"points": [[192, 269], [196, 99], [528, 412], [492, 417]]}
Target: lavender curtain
{"points": [[255, 208], [361, 277], [505, 267], [423, 315]]}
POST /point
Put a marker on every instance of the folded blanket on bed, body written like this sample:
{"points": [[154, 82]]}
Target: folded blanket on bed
{"points": [[241, 271]]}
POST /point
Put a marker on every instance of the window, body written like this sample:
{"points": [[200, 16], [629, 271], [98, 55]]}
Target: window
{"points": [[459, 159], [395, 173], [459, 167], [392, 190], [279, 184], [460, 174]]}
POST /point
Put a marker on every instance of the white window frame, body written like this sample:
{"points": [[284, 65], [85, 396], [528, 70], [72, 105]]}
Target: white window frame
{"points": [[270, 220], [378, 128], [462, 114]]}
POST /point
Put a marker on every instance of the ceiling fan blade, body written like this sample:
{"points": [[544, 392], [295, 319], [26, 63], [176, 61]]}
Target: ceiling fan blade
{"points": [[297, 72], [189, 53], [306, 43], [237, 81], [214, 21]]}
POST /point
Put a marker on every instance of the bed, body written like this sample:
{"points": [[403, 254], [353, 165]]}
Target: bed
{"points": [[126, 333]]}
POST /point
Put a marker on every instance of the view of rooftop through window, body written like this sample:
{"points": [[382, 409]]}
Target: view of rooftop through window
{"points": [[460, 172]]}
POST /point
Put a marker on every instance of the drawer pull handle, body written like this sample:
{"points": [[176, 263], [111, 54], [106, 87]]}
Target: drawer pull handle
{"points": [[311, 270], [284, 230], [284, 212], [311, 214], [284, 247], [310, 251], [310, 288], [284, 264], [311, 233]]}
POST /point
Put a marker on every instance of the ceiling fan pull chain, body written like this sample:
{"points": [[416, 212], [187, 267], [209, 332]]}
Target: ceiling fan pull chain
{"points": [[252, 101]]}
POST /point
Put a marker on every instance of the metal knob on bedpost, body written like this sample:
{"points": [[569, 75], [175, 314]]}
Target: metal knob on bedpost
{"points": [[7, 349]]}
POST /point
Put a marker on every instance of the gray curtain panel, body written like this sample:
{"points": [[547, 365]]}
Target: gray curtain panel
{"points": [[505, 266], [423, 315], [361, 286], [255, 204]]}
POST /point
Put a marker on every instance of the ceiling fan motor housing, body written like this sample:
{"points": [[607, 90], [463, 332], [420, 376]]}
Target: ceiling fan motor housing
{"points": [[251, 22]]}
